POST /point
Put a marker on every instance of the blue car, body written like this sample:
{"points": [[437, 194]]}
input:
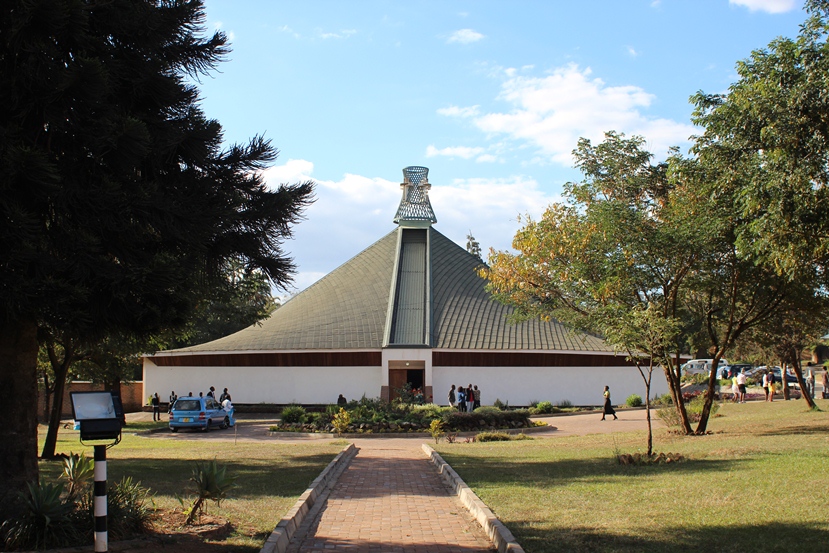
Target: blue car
{"points": [[202, 413]]}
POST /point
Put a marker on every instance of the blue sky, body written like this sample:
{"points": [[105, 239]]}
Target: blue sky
{"points": [[492, 96]]}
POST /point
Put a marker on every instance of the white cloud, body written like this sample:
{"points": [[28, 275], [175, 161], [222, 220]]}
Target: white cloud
{"points": [[455, 111], [770, 6], [486, 158], [632, 52], [288, 30], [464, 152], [342, 34], [465, 36], [552, 112]]}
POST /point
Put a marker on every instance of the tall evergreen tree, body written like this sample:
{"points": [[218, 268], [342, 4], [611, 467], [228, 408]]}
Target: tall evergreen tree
{"points": [[118, 205]]}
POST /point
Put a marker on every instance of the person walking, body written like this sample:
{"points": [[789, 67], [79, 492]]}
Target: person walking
{"points": [[156, 403], [608, 407]]}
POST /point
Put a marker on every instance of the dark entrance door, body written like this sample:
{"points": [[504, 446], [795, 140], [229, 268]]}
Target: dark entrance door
{"points": [[403, 372]]}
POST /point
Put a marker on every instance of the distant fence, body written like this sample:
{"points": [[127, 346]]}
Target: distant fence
{"points": [[130, 396]]}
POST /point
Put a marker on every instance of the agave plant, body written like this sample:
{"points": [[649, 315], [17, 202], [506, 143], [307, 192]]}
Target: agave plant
{"points": [[78, 470], [44, 522], [212, 483]]}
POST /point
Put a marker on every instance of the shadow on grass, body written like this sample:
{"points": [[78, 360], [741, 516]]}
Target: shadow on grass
{"points": [[477, 471], [821, 429], [284, 477], [541, 537]]}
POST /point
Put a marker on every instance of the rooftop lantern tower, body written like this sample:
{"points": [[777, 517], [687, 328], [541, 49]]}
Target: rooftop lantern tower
{"points": [[415, 209]]}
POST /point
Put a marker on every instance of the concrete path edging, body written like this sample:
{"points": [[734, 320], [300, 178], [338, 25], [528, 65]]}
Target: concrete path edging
{"points": [[281, 536], [494, 528]]}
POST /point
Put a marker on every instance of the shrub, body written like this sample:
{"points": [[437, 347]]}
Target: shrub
{"points": [[695, 406], [436, 429], [500, 404], [77, 471], [544, 408], [129, 509], [212, 483], [565, 404], [293, 414], [634, 400], [341, 421], [492, 437], [664, 399], [45, 522]]}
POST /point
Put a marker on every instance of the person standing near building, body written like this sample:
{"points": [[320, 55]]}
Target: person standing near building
{"points": [[477, 398], [452, 396], [156, 403], [741, 384], [826, 383], [225, 395], [608, 406], [173, 398]]}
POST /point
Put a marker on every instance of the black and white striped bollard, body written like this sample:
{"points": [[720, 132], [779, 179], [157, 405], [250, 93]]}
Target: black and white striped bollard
{"points": [[100, 499]]}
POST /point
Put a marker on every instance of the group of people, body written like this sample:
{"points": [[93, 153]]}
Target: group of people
{"points": [[224, 400], [465, 399]]}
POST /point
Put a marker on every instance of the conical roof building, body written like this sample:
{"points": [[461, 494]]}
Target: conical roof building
{"points": [[410, 308]]}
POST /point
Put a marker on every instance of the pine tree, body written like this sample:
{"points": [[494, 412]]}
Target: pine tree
{"points": [[118, 203]]}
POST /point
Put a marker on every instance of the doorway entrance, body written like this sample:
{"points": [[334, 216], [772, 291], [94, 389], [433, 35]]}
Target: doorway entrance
{"points": [[401, 373]]}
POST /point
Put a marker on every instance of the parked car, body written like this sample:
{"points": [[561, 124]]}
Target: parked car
{"points": [[701, 366], [746, 368], [202, 413], [791, 379]]}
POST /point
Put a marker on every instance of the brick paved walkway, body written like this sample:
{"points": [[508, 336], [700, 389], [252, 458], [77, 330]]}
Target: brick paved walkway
{"points": [[390, 499]]}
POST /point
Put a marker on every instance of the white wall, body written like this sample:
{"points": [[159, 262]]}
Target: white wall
{"points": [[522, 385], [265, 384], [314, 385]]}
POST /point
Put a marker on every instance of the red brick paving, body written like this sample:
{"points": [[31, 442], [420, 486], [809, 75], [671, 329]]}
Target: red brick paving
{"points": [[390, 499]]}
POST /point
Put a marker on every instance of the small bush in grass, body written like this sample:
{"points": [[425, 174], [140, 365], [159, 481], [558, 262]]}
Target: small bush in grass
{"points": [[634, 400], [341, 421], [694, 408], [129, 509], [436, 429], [293, 414], [492, 437], [46, 521], [544, 408], [212, 483]]}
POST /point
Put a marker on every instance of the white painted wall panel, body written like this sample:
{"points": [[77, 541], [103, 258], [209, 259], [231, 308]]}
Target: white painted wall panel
{"points": [[266, 384], [522, 385]]}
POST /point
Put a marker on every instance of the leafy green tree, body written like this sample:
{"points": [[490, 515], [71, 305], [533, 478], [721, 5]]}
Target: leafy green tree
{"points": [[617, 249], [770, 137], [119, 204]]}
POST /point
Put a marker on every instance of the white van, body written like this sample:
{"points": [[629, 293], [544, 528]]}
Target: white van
{"points": [[701, 366]]}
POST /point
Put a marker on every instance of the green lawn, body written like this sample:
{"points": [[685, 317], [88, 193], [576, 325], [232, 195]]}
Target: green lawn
{"points": [[757, 483], [271, 475]]}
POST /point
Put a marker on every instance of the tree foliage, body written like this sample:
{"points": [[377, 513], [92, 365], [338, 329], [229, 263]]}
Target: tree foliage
{"points": [[120, 205]]}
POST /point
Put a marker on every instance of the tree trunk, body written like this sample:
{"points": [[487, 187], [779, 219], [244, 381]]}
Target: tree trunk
{"points": [[804, 390], [675, 390], [18, 432], [783, 378], [47, 396], [61, 369], [702, 427]]}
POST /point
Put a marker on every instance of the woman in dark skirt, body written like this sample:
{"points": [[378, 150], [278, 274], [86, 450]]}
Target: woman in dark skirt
{"points": [[608, 408]]}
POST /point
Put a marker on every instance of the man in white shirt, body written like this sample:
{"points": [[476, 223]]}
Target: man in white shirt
{"points": [[741, 384]]}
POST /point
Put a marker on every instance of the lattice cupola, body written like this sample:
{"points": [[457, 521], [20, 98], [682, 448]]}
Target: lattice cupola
{"points": [[415, 208]]}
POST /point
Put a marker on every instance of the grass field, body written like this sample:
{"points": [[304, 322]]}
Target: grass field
{"points": [[271, 475], [759, 482]]}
